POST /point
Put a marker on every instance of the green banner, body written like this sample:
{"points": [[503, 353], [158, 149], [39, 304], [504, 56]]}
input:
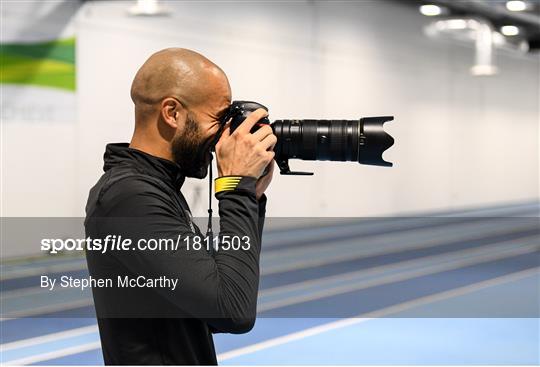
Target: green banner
{"points": [[45, 64]]}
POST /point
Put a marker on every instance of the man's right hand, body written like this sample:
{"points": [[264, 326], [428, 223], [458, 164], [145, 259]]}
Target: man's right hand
{"points": [[242, 153]]}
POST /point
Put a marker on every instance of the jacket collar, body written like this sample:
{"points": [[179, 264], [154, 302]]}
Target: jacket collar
{"points": [[120, 154]]}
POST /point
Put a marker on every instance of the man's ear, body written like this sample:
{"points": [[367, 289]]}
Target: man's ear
{"points": [[172, 112]]}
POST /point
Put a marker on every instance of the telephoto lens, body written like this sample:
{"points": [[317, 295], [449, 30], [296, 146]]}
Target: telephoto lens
{"points": [[363, 141]]}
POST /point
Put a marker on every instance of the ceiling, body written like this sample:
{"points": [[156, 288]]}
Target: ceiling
{"points": [[496, 12]]}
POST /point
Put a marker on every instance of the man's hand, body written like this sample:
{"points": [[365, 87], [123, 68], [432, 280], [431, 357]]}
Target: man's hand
{"points": [[244, 154]]}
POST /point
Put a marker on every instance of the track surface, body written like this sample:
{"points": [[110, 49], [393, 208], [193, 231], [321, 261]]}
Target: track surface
{"points": [[404, 291]]}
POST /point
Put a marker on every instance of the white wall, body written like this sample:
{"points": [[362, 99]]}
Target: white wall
{"points": [[460, 140]]}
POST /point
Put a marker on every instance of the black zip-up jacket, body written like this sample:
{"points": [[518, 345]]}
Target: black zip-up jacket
{"points": [[137, 197]]}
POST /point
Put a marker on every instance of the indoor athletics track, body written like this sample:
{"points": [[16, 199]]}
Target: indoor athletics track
{"points": [[377, 291]]}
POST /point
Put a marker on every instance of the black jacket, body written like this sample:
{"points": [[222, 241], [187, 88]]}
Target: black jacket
{"points": [[138, 197]]}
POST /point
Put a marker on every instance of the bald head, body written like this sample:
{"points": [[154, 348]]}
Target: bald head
{"points": [[180, 97], [176, 72]]}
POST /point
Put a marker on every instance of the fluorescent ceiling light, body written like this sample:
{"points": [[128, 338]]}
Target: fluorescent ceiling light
{"points": [[457, 24], [430, 10], [147, 7], [510, 30], [484, 70], [516, 5]]}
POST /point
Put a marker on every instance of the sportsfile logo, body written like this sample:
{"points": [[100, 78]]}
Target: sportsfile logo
{"points": [[120, 243]]}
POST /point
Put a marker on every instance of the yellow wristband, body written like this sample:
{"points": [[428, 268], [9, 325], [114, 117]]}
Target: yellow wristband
{"points": [[226, 183]]}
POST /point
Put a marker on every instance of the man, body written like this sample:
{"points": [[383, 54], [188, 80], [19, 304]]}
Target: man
{"points": [[180, 97]]}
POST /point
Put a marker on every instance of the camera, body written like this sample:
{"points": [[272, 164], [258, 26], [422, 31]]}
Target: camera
{"points": [[363, 141]]}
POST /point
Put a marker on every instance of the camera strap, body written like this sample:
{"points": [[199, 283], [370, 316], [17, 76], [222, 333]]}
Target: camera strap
{"points": [[223, 122], [209, 232]]}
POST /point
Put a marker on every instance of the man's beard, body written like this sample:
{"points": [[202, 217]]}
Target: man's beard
{"points": [[191, 151]]}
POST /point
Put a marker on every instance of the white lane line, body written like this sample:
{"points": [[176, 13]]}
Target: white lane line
{"points": [[54, 354], [388, 279], [73, 265], [423, 261], [36, 290], [395, 222], [383, 244], [376, 314], [49, 337], [48, 309], [451, 231], [289, 338]]}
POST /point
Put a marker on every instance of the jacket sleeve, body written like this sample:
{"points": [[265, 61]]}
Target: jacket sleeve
{"points": [[220, 288]]}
